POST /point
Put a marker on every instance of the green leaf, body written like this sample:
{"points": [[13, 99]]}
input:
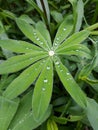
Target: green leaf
{"points": [[58, 17], [19, 46], [43, 5], [7, 111], [43, 91], [69, 83], [76, 38], [75, 49], [28, 122], [85, 72], [51, 125], [33, 34], [23, 109], [23, 81], [45, 33], [92, 113], [17, 63], [64, 30], [60, 120], [79, 15]]}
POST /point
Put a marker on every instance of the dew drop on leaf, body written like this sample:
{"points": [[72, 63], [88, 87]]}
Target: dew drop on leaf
{"points": [[43, 89], [77, 50], [67, 73], [37, 39], [64, 29], [41, 43], [45, 80], [61, 70], [34, 33], [48, 67], [57, 63]]}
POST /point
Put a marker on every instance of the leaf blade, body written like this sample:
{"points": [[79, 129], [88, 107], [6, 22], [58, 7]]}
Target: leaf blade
{"points": [[43, 89]]}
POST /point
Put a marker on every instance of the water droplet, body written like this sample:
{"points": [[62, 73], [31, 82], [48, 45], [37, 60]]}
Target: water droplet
{"points": [[45, 80], [67, 73], [57, 63], [20, 122], [57, 38], [37, 39], [61, 70], [77, 50], [48, 68], [51, 53], [43, 89], [31, 58], [41, 43], [55, 44], [64, 29], [34, 33]]}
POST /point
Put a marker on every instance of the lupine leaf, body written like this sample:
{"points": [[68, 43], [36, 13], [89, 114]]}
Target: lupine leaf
{"points": [[76, 38], [23, 109], [7, 111], [23, 81], [45, 33], [42, 91], [33, 34], [75, 49], [64, 30], [17, 63], [19, 46], [69, 83], [28, 122], [92, 113], [51, 125]]}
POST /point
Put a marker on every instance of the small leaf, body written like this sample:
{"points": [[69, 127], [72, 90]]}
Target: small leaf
{"points": [[33, 34], [28, 122], [8, 109], [23, 109], [76, 38], [75, 49], [92, 113], [19, 46], [69, 83], [43, 91], [51, 125], [23, 81], [45, 33], [64, 30], [17, 63]]}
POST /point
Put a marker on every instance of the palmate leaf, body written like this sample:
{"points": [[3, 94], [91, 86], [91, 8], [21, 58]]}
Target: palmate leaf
{"points": [[17, 63], [33, 34], [23, 81], [69, 83], [19, 46], [43, 91], [63, 32], [7, 110]]}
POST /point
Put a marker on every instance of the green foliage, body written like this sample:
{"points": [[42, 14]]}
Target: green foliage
{"points": [[47, 67]]}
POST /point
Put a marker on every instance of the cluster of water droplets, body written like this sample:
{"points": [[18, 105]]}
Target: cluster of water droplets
{"points": [[37, 38]]}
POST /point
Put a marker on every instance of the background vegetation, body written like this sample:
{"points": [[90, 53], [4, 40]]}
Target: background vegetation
{"points": [[63, 106]]}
